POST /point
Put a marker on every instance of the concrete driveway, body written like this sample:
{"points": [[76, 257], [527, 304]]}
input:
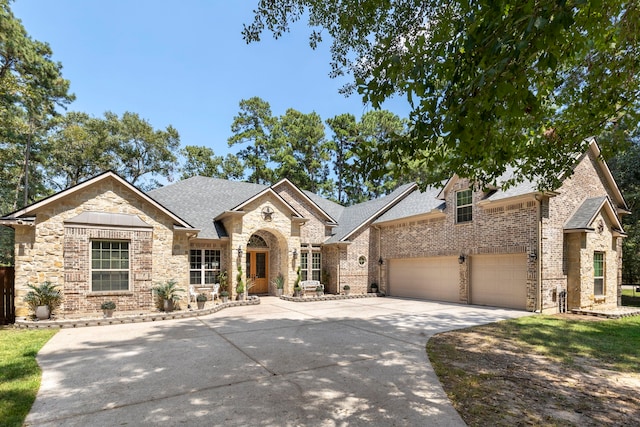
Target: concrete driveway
{"points": [[327, 363]]}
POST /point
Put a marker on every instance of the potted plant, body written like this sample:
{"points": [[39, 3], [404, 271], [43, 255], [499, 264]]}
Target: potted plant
{"points": [[319, 291], [200, 300], [107, 308], [167, 295], [239, 284], [296, 285], [224, 282], [43, 299], [224, 295], [279, 283], [347, 289], [374, 287]]}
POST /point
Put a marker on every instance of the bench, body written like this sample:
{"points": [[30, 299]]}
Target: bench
{"points": [[310, 286]]}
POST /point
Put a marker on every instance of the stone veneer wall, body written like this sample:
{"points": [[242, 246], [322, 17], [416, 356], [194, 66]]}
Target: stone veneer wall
{"points": [[41, 250], [497, 228], [281, 233]]}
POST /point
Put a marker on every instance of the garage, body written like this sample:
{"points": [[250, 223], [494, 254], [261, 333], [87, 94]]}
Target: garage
{"points": [[499, 280], [435, 278]]}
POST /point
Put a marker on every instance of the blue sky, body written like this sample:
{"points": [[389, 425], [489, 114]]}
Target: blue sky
{"points": [[184, 63]]}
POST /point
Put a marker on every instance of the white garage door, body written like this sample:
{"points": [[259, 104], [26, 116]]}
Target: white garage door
{"points": [[499, 280], [431, 278]]}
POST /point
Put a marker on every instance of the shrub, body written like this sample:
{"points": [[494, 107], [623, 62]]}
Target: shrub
{"points": [[43, 294], [108, 305]]}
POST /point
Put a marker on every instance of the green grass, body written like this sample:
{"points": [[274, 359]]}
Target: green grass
{"points": [[19, 373], [630, 298], [614, 342]]}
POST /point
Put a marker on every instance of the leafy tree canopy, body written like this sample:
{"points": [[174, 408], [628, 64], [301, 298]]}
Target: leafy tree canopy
{"points": [[491, 83]]}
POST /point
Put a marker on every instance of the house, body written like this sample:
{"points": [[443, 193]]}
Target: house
{"points": [[519, 248]]}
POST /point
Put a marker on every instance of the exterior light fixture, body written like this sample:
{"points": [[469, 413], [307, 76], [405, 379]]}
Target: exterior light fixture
{"points": [[533, 255], [461, 259], [380, 261], [295, 252], [239, 252]]}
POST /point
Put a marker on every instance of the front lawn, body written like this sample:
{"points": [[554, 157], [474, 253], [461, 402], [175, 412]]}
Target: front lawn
{"points": [[542, 370], [19, 373]]}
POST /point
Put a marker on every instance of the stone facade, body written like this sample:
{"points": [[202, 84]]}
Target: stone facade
{"points": [[289, 224], [60, 253]]}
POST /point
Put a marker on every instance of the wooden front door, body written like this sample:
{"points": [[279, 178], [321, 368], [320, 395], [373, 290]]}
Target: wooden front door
{"points": [[257, 268]]}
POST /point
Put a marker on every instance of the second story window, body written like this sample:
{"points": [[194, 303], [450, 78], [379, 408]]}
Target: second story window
{"points": [[464, 201]]}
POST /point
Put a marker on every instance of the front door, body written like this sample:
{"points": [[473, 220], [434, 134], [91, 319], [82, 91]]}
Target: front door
{"points": [[257, 269]]}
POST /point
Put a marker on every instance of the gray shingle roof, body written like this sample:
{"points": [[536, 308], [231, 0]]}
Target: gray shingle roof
{"points": [[585, 214], [354, 216], [333, 209], [200, 199], [415, 203]]}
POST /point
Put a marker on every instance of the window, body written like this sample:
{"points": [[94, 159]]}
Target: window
{"points": [[598, 273], [109, 265], [464, 201], [204, 267], [310, 262], [315, 266], [304, 265]]}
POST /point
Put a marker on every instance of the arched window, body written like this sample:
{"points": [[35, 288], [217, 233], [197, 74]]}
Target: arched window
{"points": [[256, 241]]}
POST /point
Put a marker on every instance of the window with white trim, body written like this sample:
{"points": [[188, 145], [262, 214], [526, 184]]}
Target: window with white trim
{"points": [[109, 265], [316, 265], [464, 203], [304, 265], [204, 266], [598, 273]]}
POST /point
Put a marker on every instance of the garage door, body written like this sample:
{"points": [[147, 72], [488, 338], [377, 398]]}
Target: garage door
{"points": [[431, 278], [499, 280]]}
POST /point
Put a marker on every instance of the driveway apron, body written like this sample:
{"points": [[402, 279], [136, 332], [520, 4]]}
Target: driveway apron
{"points": [[327, 363]]}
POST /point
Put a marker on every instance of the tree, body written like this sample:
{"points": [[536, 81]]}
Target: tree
{"points": [[139, 149], [345, 134], [491, 84], [624, 167], [203, 161], [79, 148], [253, 126], [300, 151], [377, 130], [31, 86]]}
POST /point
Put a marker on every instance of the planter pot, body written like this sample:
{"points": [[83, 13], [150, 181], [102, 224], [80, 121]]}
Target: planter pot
{"points": [[42, 312], [319, 294], [224, 299], [108, 313], [168, 306], [374, 289], [240, 297], [200, 304], [347, 291], [296, 294], [279, 292]]}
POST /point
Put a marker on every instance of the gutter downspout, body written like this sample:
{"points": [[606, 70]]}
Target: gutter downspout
{"points": [[539, 249]]}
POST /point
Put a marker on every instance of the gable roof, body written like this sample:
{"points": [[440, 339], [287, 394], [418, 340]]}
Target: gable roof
{"points": [[319, 202], [416, 203], [200, 199], [355, 217], [583, 217], [30, 209], [616, 194]]}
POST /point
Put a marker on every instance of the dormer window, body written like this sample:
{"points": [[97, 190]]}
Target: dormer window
{"points": [[464, 202]]}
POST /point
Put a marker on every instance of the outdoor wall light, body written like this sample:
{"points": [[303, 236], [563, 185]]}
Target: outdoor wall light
{"points": [[533, 256], [380, 261], [295, 252], [461, 259], [239, 252]]}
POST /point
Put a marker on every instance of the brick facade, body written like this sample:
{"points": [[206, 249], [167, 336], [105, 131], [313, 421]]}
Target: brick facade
{"points": [[531, 224]]}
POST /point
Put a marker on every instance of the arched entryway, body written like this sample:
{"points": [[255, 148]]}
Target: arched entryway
{"points": [[265, 258]]}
